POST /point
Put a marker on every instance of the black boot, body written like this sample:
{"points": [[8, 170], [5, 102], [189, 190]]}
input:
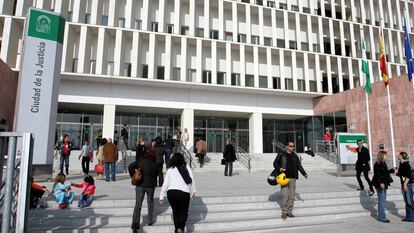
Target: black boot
{"points": [[67, 171]]}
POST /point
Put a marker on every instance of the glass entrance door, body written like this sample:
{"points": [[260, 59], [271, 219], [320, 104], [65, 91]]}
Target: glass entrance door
{"points": [[215, 140]]}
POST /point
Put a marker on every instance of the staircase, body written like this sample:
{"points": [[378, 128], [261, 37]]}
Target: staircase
{"points": [[260, 213]]}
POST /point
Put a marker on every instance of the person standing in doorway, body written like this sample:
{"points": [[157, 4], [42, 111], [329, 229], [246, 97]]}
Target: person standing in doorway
{"points": [[124, 135], [289, 163], [85, 154], [229, 155], [65, 147], [110, 154], [201, 148], [362, 166]]}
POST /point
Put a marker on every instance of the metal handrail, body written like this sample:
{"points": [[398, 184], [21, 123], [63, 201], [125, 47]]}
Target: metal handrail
{"points": [[243, 156], [18, 173], [187, 154], [278, 145], [327, 149]]}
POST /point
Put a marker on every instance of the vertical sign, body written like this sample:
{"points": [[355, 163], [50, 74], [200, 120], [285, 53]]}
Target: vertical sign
{"points": [[347, 146], [39, 81]]}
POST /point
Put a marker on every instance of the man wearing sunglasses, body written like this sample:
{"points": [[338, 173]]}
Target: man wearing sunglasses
{"points": [[289, 163]]}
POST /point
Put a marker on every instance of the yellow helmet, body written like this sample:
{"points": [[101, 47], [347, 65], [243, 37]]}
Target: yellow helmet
{"points": [[282, 180]]}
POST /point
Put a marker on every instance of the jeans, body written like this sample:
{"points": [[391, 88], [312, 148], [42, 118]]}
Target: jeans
{"points": [[112, 167], [228, 168], [139, 198], [382, 197], [179, 202], [409, 202], [288, 196], [167, 154], [85, 164], [85, 200], [64, 160], [361, 185], [201, 160]]}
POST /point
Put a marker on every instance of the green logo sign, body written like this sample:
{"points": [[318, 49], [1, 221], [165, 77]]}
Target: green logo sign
{"points": [[45, 25]]}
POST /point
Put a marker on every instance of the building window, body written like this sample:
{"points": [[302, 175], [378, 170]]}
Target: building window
{"points": [[313, 86], [184, 30], [246, 1], [301, 85], [267, 41], [154, 26], [271, 4], [289, 83], [283, 6], [199, 32], [160, 72], [241, 38], [70, 14], [316, 48], [263, 81], [192, 75], [93, 67], [206, 76], [121, 22], [88, 18], [176, 74], [280, 43], [293, 44], [305, 46], [144, 69], [276, 83], [294, 8], [74, 65], [221, 78], [127, 69], [110, 68], [249, 80], [138, 23], [235, 79], [306, 10], [229, 36], [255, 40], [214, 34], [170, 28], [104, 20], [259, 2]]}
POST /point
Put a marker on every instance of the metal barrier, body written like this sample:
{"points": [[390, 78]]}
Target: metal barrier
{"points": [[17, 181], [124, 153], [278, 146], [187, 154], [243, 156]]}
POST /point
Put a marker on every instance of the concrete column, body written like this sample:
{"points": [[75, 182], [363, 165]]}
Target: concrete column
{"points": [[62, 6], [79, 10], [242, 65], [167, 65], [261, 23], [11, 31], [214, 62], [391, 56], [256, 133], [400, 51], [177, 17], [353, 46], [44, 4], [248, 24], [321, 48], [134, 54], [269, 67], [112, 14], [192, 17], [21, 7], [340, 73], [363, 14], [305, 71], [274, 31], [228, 64], [390, 16], [281, 69], [108, 121], [129, 20], [353, 11], [187, 122], [6, 8], [350, 72], [221, 19], [234, 21], [206, 18], [83, 50], [329, 74], [256, 65], [101, 52], [297, 35], [119, 53], [286, 28], [332, 37], [145, 6], [151, 57], [309, 32], [183, 56], [342, 37], [161, 14], [294, 71], [199, 62], [318, 73], [399, 17]]}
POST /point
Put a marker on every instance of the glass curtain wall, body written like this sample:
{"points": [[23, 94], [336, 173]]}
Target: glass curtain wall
{"points": [[216, 131]]}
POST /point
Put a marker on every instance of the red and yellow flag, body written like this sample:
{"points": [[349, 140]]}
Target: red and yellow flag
{"points": [[383, 65]]}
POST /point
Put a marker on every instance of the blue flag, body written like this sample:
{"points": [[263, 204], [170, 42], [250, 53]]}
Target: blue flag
{"points": [[408, 54]]}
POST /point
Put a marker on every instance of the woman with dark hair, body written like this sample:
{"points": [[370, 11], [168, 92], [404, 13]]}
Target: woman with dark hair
{"points": [[140, 150], [407, 186], [178, 186], [149, 172]]}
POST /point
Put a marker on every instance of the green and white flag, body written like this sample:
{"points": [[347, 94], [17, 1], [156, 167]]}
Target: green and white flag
{"points": [[365, 66]]}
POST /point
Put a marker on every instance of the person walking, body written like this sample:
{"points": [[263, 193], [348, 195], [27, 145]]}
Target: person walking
{"points": [[64, 147], [140, 150], [289, 163], [100, 158], [407, 187], [169, 147], [201, 147], [86, 156], [149, 173], [229, 155], [381, 180], [110, 155], [159, 147], [124, 135], [178, 186], [362, 166]]}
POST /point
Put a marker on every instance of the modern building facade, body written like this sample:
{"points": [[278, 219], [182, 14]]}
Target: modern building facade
{"points": [[247, 70]]}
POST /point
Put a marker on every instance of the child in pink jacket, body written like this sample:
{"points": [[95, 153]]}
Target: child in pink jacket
{"points": [[88, 189]]}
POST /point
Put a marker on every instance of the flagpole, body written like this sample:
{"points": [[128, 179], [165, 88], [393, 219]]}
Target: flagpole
{"points": [[389, 106], [367, 104]]}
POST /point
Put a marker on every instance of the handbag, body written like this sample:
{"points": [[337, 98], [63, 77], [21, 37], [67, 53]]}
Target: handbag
{"points": [[223, 162], [271, 179], [136, 178], [99, 168]]}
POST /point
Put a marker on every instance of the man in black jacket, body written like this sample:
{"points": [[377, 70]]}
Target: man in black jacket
{"points": [[362, 165], [289, 163]]}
